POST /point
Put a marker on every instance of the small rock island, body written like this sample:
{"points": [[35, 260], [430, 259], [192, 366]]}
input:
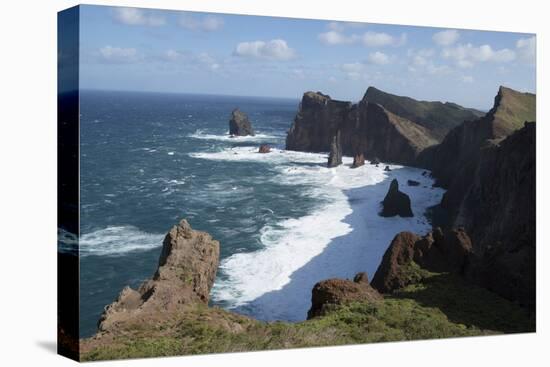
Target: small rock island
{"points": [[239, 124]]}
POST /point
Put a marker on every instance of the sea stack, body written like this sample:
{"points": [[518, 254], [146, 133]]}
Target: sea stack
{"points": [[335, 155], [358, 160], [264, 148], [396, 202], [239, 124]]}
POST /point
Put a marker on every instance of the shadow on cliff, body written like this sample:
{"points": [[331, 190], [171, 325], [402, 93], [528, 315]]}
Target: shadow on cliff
{"points": [[360, 250]]}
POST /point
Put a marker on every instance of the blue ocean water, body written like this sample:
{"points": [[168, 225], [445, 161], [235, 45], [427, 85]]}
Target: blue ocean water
{"points": [[137, 180], [284, 220]]}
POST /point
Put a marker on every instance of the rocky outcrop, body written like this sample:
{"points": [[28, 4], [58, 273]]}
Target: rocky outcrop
{"points": [[341, 291], [396, 202], [239, 124], [489, 173], [409, 254], [335, 155], [187, 267], [358, 160], [499, 212], [438, 117], [264, 148], [413, 183], [365, 128]]}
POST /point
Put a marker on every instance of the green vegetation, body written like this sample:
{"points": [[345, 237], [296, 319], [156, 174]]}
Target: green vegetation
{"points": [[437, 306], [515, 108]]}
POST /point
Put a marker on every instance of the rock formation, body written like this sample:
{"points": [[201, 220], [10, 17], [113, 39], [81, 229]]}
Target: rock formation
{"points": [[341, 291], [358, 160], [264, 148], [396, 202], [239, 124], [187, 267], [335, 155], [413, 183], [374, 126], [438, 251], [438, 117], [490, 180]]}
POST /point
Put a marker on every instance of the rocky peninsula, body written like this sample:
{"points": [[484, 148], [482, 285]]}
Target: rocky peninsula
{"points": [[473, 274]]}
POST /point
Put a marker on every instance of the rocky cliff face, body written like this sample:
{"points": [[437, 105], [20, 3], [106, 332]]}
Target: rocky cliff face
{"points": [[366, 128], [499, 212], [335, 155], [239, 124], [490, 181], [186, 271], [437, 117]]}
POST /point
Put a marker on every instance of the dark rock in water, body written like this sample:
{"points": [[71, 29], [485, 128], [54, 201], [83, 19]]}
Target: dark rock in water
{"points": [[358, 160], [341, 291], [185, 273], [424, 173], [264, 148], [413, 183], [335, 155], [438, 251], [396, 202], [240, 125], [387, 169], [377, 165], [375, 161]]}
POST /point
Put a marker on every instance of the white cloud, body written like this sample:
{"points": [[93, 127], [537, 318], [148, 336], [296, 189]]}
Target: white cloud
{"points": [[467, 79], [276, 49], [375, 39], [352, 67], [207, 23], [378, 58], [134, 16], [421, 61], [446, 38], [465, 56], [336, 38], [201, 59], [527, 49], [118, 54]]}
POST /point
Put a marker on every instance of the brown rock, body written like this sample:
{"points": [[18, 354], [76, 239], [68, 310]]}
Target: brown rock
{"points": [[335, 155], [264, 148], [358, 160], [438, 251], [341, 291], [239, 124], [186, 271]]}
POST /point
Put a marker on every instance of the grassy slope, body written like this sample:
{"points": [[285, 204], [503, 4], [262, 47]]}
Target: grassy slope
{"points": [[436, 116], [437, 306]]}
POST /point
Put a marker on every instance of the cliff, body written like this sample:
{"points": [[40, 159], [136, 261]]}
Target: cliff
{"points": [[490, 182], [366, 128], [437, 117]]}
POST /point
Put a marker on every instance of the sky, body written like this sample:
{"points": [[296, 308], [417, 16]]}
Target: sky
{"points": [[205, 53]]}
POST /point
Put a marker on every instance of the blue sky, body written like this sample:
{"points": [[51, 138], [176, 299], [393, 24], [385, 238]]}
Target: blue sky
{"points": [[175, 51]]}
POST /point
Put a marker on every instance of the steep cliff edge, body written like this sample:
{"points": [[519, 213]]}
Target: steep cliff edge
{"points": [[366, 128], [437, 117], [490, 181]]}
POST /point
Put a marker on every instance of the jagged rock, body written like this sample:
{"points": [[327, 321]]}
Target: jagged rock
{"points": [[341, 291], [365, 127], [387, 169], [375, 161], [239, 124], [424, 173], [358, 160], [396, 202], [413, 183], [335, 155], [264, 148], [186, 271], [438, 251], [488, 171]]}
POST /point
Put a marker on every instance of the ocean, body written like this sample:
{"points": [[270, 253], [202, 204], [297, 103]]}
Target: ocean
{"points": [[284, 220]]}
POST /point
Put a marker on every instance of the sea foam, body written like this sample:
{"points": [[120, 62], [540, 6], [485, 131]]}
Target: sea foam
{"points": [[259, 137], [118, 240], [343, 236]]}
